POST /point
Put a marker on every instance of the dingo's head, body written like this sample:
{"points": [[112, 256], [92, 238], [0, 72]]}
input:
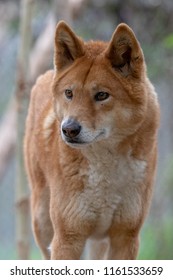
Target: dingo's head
{"points": [[98, 87]]}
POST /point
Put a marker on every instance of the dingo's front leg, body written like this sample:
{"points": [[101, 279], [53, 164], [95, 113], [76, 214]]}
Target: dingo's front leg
{"points": [[67, 247], [124, 246]]}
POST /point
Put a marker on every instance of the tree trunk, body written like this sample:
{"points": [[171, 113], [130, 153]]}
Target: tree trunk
{"points": [[22, 99], [7, 136]]}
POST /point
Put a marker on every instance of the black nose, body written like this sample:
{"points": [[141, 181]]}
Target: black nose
{"points": [[71, 128]]}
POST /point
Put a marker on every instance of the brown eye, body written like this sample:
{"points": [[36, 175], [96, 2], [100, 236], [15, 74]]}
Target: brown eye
{"points": [[68, 93], [102, 95]]}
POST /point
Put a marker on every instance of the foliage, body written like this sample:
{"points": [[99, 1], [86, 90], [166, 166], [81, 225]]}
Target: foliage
{"points": [[156, 241], [168, 41]]}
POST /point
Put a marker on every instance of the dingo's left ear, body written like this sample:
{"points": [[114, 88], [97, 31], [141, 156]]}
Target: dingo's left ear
{"points": [[68, 46], [124, 52]]}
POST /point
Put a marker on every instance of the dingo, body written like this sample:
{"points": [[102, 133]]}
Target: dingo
{"points": [[91, 147]]}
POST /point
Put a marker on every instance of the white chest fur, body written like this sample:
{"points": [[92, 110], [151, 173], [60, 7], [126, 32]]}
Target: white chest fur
{"points": [[111, 186]]}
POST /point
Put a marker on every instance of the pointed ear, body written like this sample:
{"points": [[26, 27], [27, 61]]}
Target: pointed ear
{"points": [[124, 52], [68, 46]]}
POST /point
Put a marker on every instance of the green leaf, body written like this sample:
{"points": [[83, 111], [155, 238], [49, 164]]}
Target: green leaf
{"points": [[168, 41]]}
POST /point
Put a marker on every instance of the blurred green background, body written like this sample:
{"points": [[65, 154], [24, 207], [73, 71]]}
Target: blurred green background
{"points": [[152, 22]]}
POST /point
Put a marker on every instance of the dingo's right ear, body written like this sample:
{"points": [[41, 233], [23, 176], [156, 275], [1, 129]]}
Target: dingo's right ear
{"points": [[68, 46], [125, 52]]}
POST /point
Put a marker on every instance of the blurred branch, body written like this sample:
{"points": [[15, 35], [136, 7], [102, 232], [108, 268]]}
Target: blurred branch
{"points": [[22, 98], [42, 54], [40, 58]]}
